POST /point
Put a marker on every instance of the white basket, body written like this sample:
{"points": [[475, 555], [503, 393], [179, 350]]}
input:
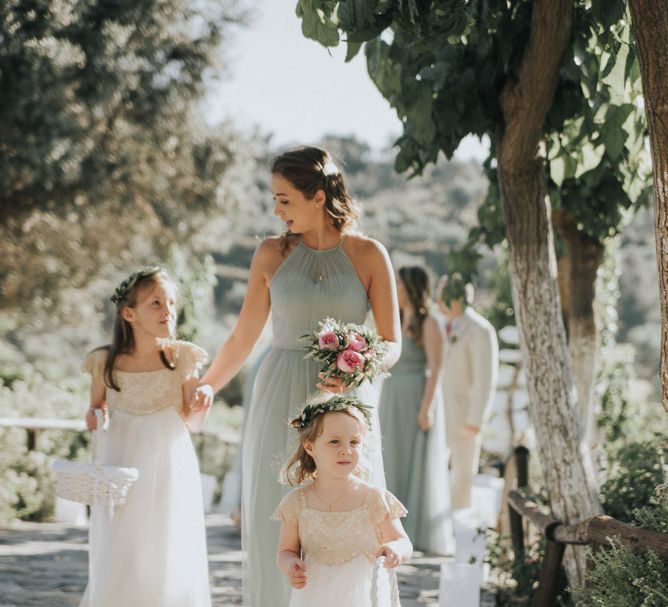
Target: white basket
{"points": [[93, 483]]}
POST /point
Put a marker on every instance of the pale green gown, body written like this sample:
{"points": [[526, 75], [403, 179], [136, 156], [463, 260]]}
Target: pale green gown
{"points": [[309, 286], [416, 462]]}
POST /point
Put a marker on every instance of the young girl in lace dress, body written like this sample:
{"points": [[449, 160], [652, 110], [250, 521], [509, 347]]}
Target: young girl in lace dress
{"points": [[150, 551], [334, 527]]}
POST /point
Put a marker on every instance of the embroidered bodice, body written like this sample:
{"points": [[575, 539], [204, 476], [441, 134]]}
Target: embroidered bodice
{"points": [[144, 393], [337, 537]]}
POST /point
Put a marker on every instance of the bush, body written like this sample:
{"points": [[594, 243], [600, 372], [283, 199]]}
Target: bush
{"points": [[27, 489], [516, 579], [619, 577], [633, 473]]}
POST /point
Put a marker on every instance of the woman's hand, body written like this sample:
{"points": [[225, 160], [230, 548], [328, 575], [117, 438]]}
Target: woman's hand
{"points": [[201, 397], [91, 419], [392, 558], [425, 419], [335, 385], [297, 573]]}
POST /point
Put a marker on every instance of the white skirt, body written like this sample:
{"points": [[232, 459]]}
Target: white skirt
{"points": [[151, 551], [346, 584]]}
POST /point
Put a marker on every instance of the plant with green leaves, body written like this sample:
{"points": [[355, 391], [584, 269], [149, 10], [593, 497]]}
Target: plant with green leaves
{"points": [[103, 154], [620, 576], [451, 68]]}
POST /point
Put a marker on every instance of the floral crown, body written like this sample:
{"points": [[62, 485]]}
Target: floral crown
{"points": [[312, 410], [122, 290]]}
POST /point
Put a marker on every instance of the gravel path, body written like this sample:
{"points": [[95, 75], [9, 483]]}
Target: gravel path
{"points": [[44, 564]]}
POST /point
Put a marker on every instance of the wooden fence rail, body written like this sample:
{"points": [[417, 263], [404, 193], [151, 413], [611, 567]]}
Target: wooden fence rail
{"points": [[595, 530], [33, 425]]}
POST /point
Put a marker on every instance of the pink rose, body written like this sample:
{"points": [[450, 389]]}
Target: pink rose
{"points": [[357, 342], [328, 340], [350, 361]]}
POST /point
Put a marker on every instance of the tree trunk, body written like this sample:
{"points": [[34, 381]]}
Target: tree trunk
{"points": [[525, 101], [649, 20], [585, 255]]}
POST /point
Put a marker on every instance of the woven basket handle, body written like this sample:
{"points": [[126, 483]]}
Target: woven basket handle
{"points": [[101, 429], [394, 587], [374, 580]]}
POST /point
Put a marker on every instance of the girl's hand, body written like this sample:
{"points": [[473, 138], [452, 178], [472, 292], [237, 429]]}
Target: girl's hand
{"points": [[392, 559], [425, 419], [91, 420], [201, 398], [332, 384], [297, 573]]}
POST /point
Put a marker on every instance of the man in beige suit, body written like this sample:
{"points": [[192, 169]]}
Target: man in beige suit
{"points": [[470, 369]]}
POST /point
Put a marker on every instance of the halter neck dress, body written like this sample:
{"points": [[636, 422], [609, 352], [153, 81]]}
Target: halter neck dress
{"points": [[309, 286], [416, 462]]}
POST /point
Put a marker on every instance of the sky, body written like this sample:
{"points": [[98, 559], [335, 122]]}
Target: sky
{"points": [[298, 90]]}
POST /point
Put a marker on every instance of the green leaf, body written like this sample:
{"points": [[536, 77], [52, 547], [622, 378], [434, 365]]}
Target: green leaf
{"points": [[614, 140], [355, 14], [352, 50], [319, 21], [590, 158], [419, 116]]}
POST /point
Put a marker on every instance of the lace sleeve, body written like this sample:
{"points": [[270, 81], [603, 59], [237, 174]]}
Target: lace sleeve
{"points": [[289, 507], [190, 359], [385, 505], [94, 362]]}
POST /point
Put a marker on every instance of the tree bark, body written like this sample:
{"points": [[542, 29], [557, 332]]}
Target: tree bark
{"points": [[525, 101], [649, 20], [585, 255]]}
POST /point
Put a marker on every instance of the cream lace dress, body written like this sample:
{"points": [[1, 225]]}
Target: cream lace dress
{"points": [[151, 551], [340, 549]]}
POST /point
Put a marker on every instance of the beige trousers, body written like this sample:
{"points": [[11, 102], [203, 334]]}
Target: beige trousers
{"points": [[464, 457]]}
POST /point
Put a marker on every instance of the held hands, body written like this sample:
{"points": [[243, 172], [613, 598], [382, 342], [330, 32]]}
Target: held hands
{"points": [[332, 384], [297, 573], [201, 398], [392, 558], [425, 419]]}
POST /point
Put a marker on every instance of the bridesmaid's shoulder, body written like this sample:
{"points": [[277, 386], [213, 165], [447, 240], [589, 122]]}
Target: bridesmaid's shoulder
{"points": [[365, 247], [273, 248]]}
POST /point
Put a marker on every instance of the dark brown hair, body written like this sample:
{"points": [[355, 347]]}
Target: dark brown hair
{"points": [[418, 288], [310, 169], [301, 466], [123, 340]]}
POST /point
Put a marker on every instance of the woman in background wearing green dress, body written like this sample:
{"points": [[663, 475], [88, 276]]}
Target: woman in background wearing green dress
{"points": [[413, 420], [318, 268]]}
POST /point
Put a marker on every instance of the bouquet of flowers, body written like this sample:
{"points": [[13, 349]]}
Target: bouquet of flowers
{"points": [[348, 351]]}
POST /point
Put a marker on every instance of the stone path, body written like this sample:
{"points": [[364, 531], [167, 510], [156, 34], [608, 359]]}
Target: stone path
{"points": [[45, 564]]}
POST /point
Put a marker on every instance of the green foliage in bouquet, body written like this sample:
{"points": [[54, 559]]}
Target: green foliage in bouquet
{"points": [[619, 577], [351, 352]]}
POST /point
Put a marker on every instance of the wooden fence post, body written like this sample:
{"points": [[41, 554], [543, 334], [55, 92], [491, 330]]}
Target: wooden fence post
{"points": [[521, 456], [522, 464], [550, 572]]}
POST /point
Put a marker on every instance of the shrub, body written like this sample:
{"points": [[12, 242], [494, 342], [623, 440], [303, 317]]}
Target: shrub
{"points": [[634, 470], [619, 577]]}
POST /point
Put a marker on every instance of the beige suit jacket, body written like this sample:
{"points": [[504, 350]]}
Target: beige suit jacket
{"points": [[470, 370]]}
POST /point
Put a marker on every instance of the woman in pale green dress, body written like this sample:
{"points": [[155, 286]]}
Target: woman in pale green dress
{"points": [[413, 420], [318, 268]]}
